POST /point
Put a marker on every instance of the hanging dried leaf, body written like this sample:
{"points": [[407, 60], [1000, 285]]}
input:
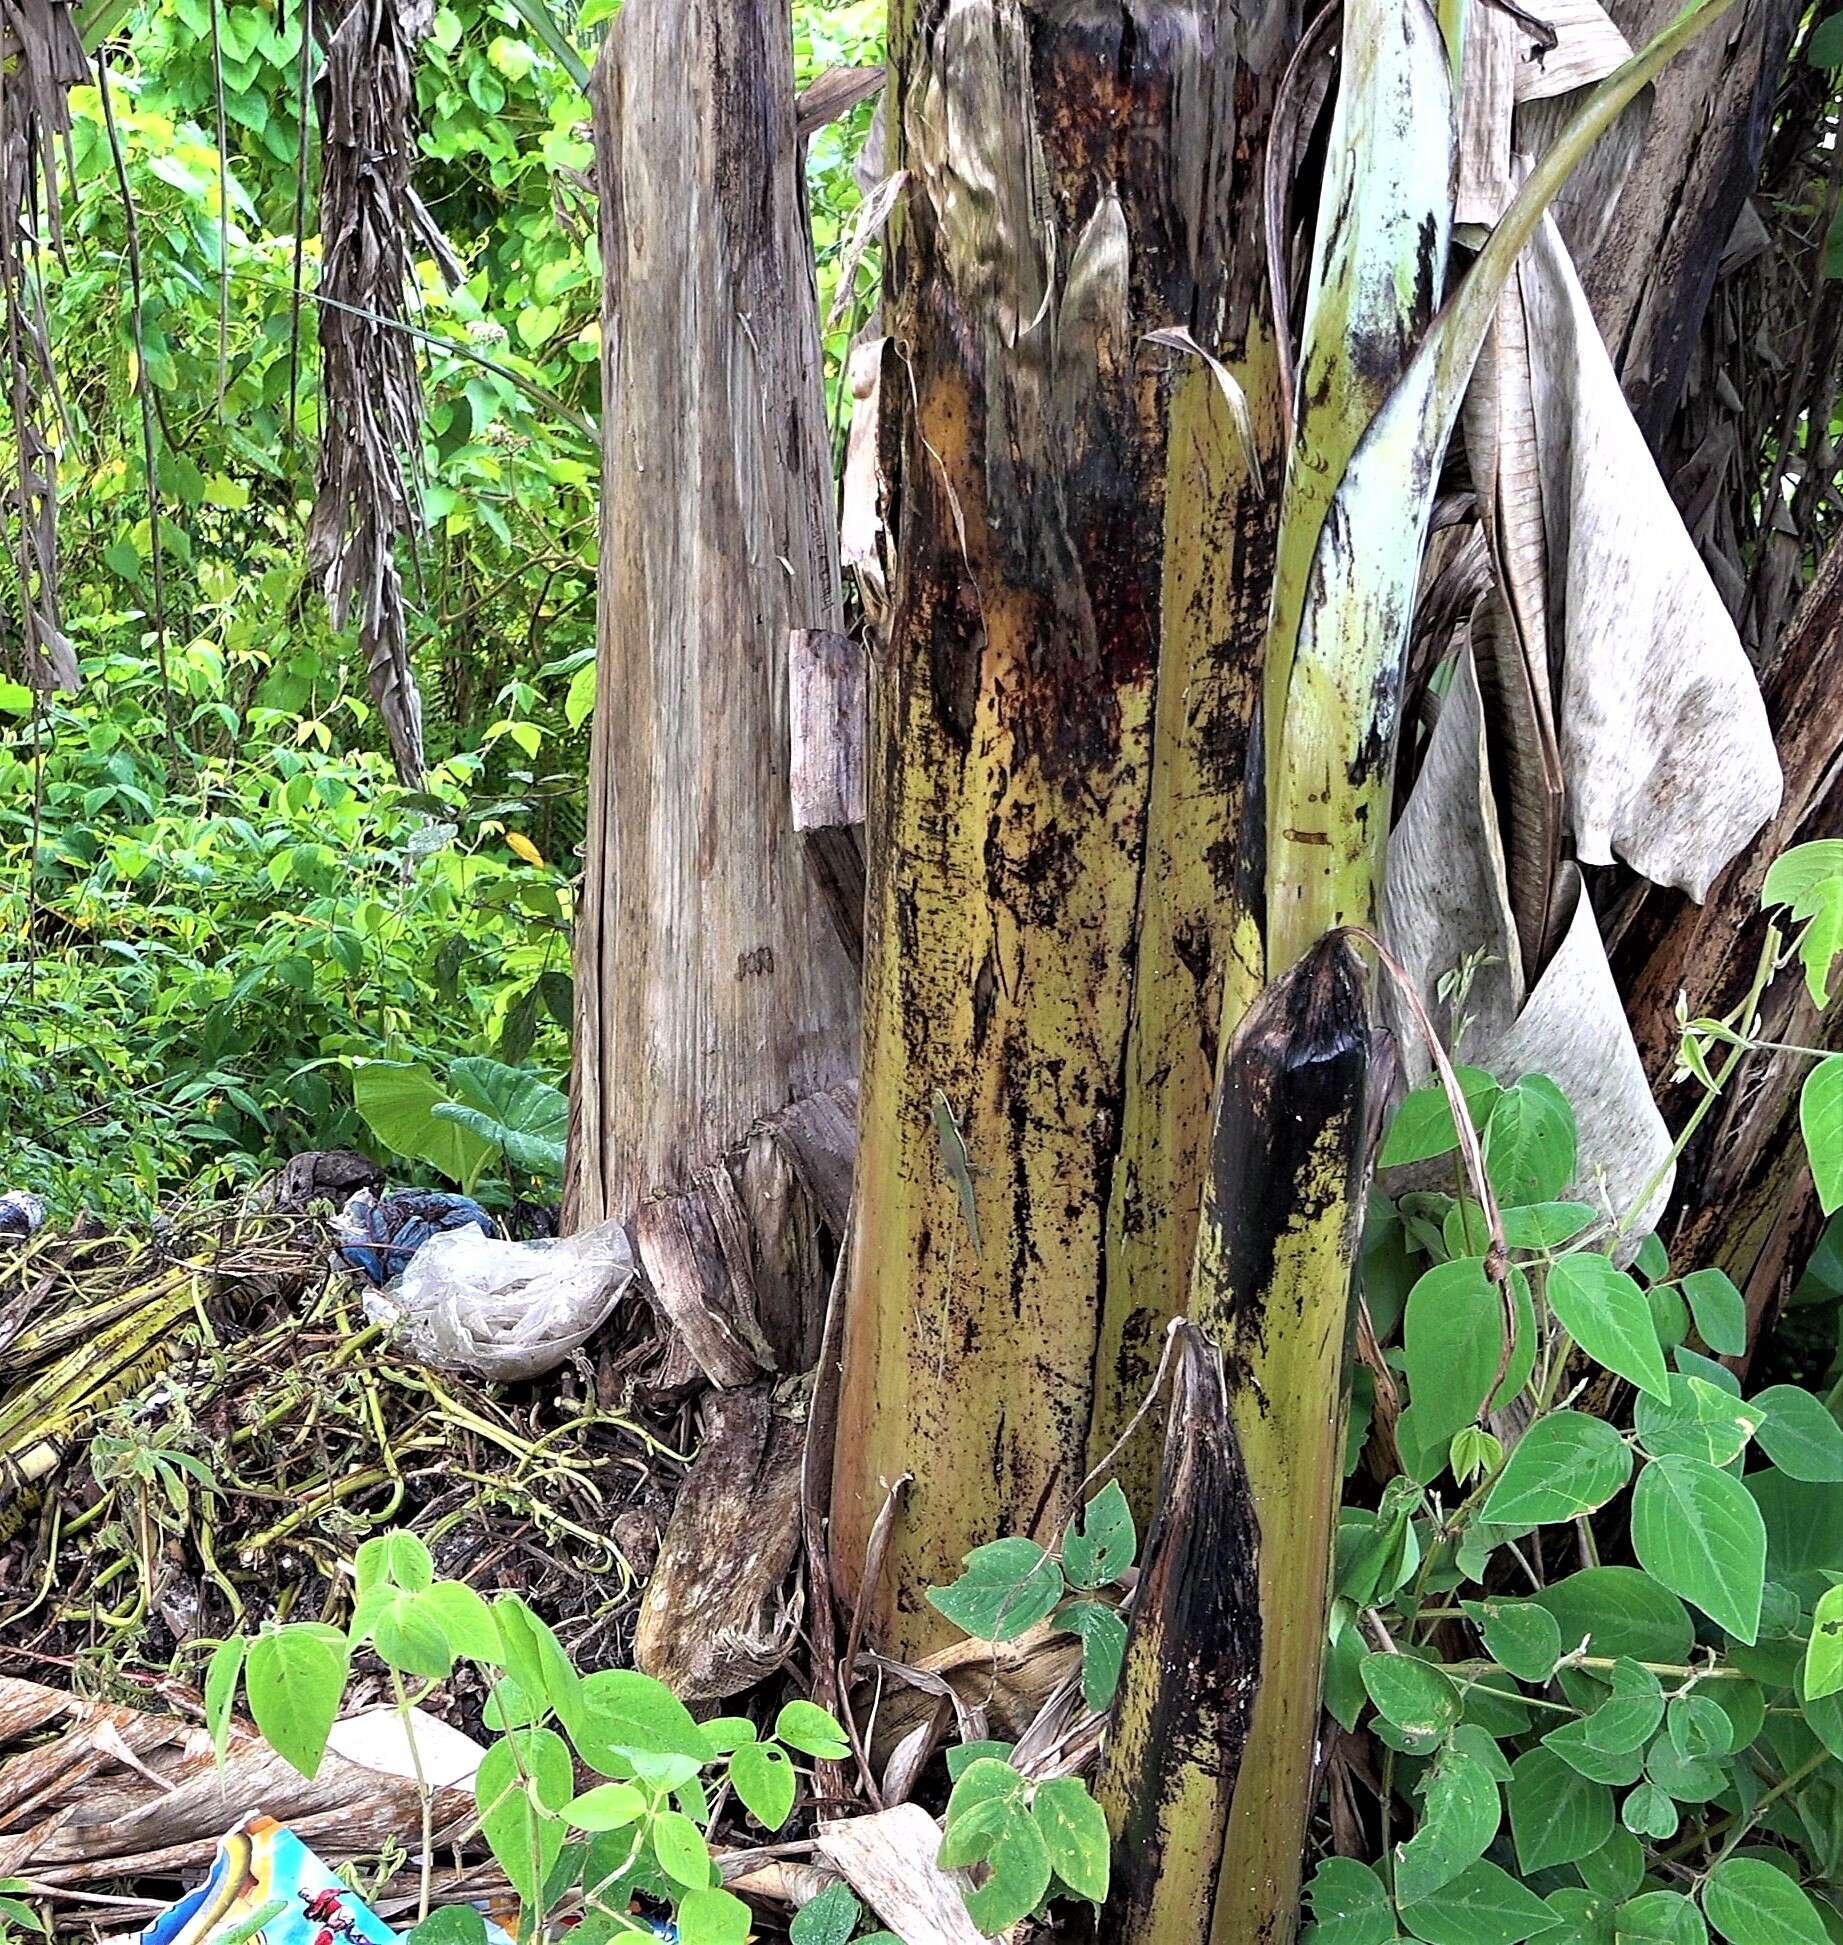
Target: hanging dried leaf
{"points": [[1511, 624], [41, 57], [371, 411], [1665, 746], [1445, 898], [1574, 1030]]}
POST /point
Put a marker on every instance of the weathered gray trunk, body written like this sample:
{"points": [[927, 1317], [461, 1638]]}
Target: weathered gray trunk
{"points": [[716, 1029]]}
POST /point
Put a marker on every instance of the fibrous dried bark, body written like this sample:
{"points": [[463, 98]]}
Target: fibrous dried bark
{"points": [[722, 1610], [41, 58], [370, 389]]}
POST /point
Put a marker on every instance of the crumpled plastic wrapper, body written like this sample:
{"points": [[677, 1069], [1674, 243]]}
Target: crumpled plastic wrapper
{"points": [[469, 1302], [263, 1868]]}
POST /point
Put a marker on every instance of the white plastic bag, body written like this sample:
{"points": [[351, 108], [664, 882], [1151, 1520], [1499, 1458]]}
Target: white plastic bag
{"points": [[470, 1302]]}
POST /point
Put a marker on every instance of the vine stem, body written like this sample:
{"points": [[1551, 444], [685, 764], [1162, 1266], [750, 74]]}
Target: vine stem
{"points": [[1748, 1010], [425, 1798]]}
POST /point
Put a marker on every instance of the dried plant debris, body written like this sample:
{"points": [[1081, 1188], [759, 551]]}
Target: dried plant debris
{"points": [[371, 221], [197, 1428], [41, 58]]}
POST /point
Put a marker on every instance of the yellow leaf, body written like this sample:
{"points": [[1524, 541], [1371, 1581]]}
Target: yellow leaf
{"points": [[522, 847]]}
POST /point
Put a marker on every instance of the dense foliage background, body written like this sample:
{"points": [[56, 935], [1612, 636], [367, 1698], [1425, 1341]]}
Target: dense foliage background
{"points": [[214, 898]]}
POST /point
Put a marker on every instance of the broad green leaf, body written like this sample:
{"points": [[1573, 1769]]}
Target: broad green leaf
{"points": [[1616, 1869], [466, 1621], [1103, 1648], [1099, 1547], [679, 1846], [1700, 1728], [1824, 49], [1694, 1365], [1648, 1812], [1701, 1421], [1586, 1918], [1423, 1125], [398, 1103], [1416, 1696], [1470, 1740], [1483, 1905], [1519, 1635], [1719, 1309], [1669, 1314], [294, 1680], [1686, 1779], [608, 1806], [988, 1822], [1545, 1225], [828, 1919], [400, 1558], [1556, 1814], [579, 701], [711, 1917], [454, 1924], [1804, 1530], [409, 1636], [625, 1712], [1820, 1118], [1465, 1230], [1008, 1586], [987, 1779], [1698, 1531], [1566, 1464], [1660, 1918], [1751, 1903], [1606, 1314], [1350, 1905], [513, 1111], [1629, 1716], [1744, 1704], [1823, 1671], [1798, 1434], [1530, 1142], [221, 1673], [962, 1757], [1452, 1346], [537, 1661], [1809, 877], [520, 1789], [1018, 1876], [764, 1779], [807, 1727], [1619, 1611], [1572, 1744], [1075, 1830], [1459, 1817], [1378, 1553]]}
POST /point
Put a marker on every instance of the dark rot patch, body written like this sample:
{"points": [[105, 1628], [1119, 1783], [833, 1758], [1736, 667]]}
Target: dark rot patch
{"points": [[1193, 1656], [1294, 1080]]}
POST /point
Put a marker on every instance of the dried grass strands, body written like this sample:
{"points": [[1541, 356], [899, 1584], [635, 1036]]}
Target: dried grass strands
{"points": [[371, 392], [41, 57]]}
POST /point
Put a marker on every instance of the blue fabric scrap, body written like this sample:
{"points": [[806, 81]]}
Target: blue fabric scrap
{"points": [[377, 1235]]}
